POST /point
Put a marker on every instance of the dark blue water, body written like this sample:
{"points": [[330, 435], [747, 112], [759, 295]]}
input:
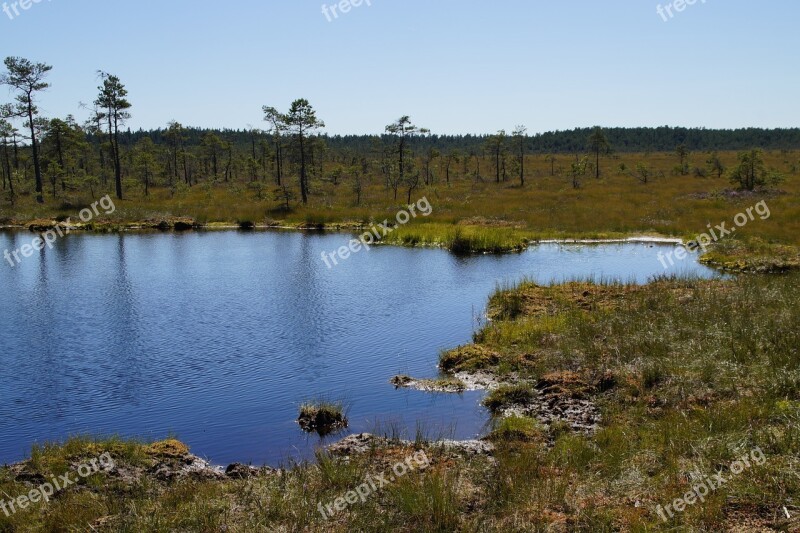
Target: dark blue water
{"points": [[216, 338]]}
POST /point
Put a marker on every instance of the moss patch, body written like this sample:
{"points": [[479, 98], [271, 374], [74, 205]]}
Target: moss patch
{"points": [[508, 395], [470, 357], [171, 448]]}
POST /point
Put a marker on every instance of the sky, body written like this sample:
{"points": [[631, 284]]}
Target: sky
{"points": [[454, 66]]}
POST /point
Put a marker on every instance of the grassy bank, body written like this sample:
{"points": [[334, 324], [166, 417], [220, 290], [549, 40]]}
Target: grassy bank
{"points": [[688, 377], [753, 255], [489, 214]]}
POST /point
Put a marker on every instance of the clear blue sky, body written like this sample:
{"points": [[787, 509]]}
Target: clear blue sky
{"points": [[455, 66]]}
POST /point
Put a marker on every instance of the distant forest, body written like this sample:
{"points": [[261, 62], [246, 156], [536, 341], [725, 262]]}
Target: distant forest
{"points": [[624, 140]]}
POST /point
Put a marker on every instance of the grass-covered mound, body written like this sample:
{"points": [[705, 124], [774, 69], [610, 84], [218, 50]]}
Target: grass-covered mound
{"points": [[508, 395], [323, 417]]}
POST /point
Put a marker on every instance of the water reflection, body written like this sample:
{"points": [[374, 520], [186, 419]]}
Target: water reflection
{"points": [[218, 337]]}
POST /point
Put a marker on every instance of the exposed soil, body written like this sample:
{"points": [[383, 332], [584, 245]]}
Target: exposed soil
{"points": [[361, 443]]}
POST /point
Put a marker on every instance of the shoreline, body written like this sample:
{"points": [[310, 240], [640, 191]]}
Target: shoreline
{"points": [[753, 255], [481, 380], [181, 225], [474, 380]]}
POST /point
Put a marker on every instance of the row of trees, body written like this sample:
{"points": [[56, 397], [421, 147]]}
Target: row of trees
{"points": [[69, 156], [27, 79], [69, 149]]}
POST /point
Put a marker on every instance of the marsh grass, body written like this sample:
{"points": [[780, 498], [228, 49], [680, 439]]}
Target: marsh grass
{"points": [[516, 428], [752, 255], [430, 502], [459, 239], [703, 370], [485, 217]]}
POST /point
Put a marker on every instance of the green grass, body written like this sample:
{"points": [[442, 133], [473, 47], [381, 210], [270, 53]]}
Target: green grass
{"points": [[754, 255], [516, 428], [704, 372]]}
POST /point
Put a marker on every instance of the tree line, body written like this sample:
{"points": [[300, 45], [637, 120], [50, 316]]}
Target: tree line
{"points": [[56, 155]]}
